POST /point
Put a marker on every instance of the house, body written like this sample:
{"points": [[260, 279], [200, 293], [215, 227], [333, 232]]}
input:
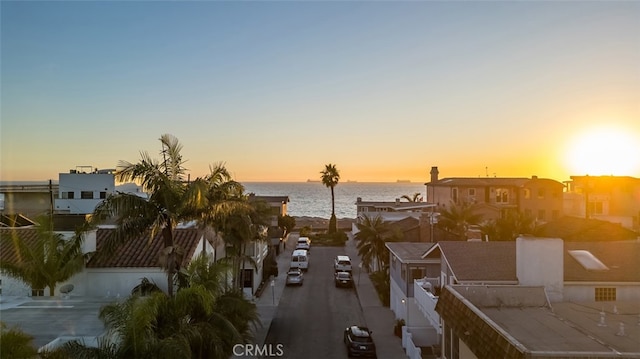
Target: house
{"points": [[511, 275], [28, 199], [278, 207], [406, 266], [575, 229], [105, 274], [609, 198], [540, 198], [411, 219]]}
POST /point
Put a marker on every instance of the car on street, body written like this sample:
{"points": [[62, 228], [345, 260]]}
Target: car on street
{"points": [[343, 279], [342, 264], [294, 276], [303, 243], [359, 341]]}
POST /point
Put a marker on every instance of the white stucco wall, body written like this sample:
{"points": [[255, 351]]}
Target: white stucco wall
{"points": [[586, 292], [540, 262]]}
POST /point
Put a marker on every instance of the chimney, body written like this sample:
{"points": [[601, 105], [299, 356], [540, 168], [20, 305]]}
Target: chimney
{"points": [[534, 177], [540, 262], [434, 174]]}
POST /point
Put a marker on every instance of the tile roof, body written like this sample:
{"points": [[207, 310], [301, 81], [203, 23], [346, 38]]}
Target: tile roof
{"points": [[8, 238], [409, 251], [481, 261], [139, 252]]}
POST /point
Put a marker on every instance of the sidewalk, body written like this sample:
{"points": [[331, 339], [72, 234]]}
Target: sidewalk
{"points": [[378, 318]]}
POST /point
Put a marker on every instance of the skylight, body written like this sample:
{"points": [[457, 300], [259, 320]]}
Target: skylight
{"points": [[588, 260]]}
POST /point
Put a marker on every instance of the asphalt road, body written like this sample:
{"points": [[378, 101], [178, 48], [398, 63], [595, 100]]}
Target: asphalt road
{"points": [[310, 319]]}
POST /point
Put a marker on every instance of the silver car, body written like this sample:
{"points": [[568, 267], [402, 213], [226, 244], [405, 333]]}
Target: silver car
{"points": [[294, 277]]}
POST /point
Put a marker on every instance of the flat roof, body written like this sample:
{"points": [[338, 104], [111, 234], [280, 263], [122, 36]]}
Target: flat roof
{"points": [[576, 328]]}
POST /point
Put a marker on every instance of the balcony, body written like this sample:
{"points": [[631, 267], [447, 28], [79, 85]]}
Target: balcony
{"points": [[425, 299]]}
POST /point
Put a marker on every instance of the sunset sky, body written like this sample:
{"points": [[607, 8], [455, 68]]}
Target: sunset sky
{"points": [[277, 89]]}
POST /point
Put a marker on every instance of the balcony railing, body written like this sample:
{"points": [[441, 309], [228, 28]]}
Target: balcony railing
{"points": [[425, 298]]}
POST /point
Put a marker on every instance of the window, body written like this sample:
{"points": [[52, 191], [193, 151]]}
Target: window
{"points": [[502, 195], [595, 208], [541, 193], [454, 195], [247, 278], [418, 273], [541, 214], [37, 292], [605, 294], [103, 195], [86, 194], [67, 195], [527, 193], [403, 273], [471, 192]]}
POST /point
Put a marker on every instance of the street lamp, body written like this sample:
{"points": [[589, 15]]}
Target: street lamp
{"points": [[406, 308]]}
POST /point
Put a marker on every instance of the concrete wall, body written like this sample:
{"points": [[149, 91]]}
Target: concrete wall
{"points": [[586, 292], [79, 182], [540, 262]]}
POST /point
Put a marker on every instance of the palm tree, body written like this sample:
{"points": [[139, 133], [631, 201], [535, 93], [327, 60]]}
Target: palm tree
{"points": [[330, 178], [16, 343], [417, 197], [203, 320], [171, 200], [372, 236], [509, 227], [458, 218], [48, 261]]}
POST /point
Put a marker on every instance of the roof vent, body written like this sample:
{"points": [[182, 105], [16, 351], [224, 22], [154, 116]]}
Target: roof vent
{"points": [[588, 260]]}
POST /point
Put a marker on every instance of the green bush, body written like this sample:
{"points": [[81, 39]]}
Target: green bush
{"points": [[305, 231], [336, 239]]}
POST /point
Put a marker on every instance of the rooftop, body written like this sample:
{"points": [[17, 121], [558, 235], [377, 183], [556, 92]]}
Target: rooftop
{"points": [[409, 251]]}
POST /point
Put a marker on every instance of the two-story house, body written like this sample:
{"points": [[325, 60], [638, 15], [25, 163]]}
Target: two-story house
{"points": [[540, 198], [609, 198]]}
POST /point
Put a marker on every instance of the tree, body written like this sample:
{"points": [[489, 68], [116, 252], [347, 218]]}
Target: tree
{"points": [[372, 236], [204, 319], [509, 227], [171, 200], [458, 218], [330, 178], [287, 223], [417, 197], [49, 260], [16, 343]]}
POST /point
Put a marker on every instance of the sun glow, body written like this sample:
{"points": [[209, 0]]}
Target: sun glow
{"points": [[604, 151]]}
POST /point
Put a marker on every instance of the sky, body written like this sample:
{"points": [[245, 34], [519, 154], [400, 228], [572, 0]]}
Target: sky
{"points": [[276, 90]]}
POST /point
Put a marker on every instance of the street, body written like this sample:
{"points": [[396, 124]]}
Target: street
{"points": [[310, 319]]}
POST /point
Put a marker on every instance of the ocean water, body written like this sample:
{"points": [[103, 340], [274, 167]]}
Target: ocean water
{"points": [[313, 199]]}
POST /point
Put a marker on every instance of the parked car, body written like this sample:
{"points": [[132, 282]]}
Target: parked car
{"points": [[303, 243], [343, 279], [294, 276], [359, 341], [342, 264]]}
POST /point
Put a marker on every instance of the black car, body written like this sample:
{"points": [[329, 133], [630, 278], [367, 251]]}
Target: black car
{"points": [[343, 279], [359, 341]]}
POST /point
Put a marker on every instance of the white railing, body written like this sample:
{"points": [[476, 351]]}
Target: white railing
{"points": [[412, 351], [426, 300]]}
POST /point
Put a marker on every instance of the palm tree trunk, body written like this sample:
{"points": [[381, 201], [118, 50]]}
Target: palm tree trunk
{"points": [[52, 290], [333, 203]]}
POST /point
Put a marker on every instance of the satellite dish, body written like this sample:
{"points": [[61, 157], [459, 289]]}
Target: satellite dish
{"points": [[66, 289]]}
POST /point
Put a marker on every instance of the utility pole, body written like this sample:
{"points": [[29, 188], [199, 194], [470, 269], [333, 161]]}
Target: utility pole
{"points": [[50, 206]]}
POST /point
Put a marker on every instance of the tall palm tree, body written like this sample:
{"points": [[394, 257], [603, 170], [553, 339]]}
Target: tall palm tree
{"points": [[50, 260], [372, 236], [458, 218], [330, 178], [164, 182]]}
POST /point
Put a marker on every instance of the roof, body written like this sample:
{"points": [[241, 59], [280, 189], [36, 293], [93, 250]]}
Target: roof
{"points": [[481, 261], [621, 258], [405, 224], [581, 229], [503, 321], [8, 238], [138, 252], [496, 261], [269, 199], [480, 181], [409, 251], [395, 205]]}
